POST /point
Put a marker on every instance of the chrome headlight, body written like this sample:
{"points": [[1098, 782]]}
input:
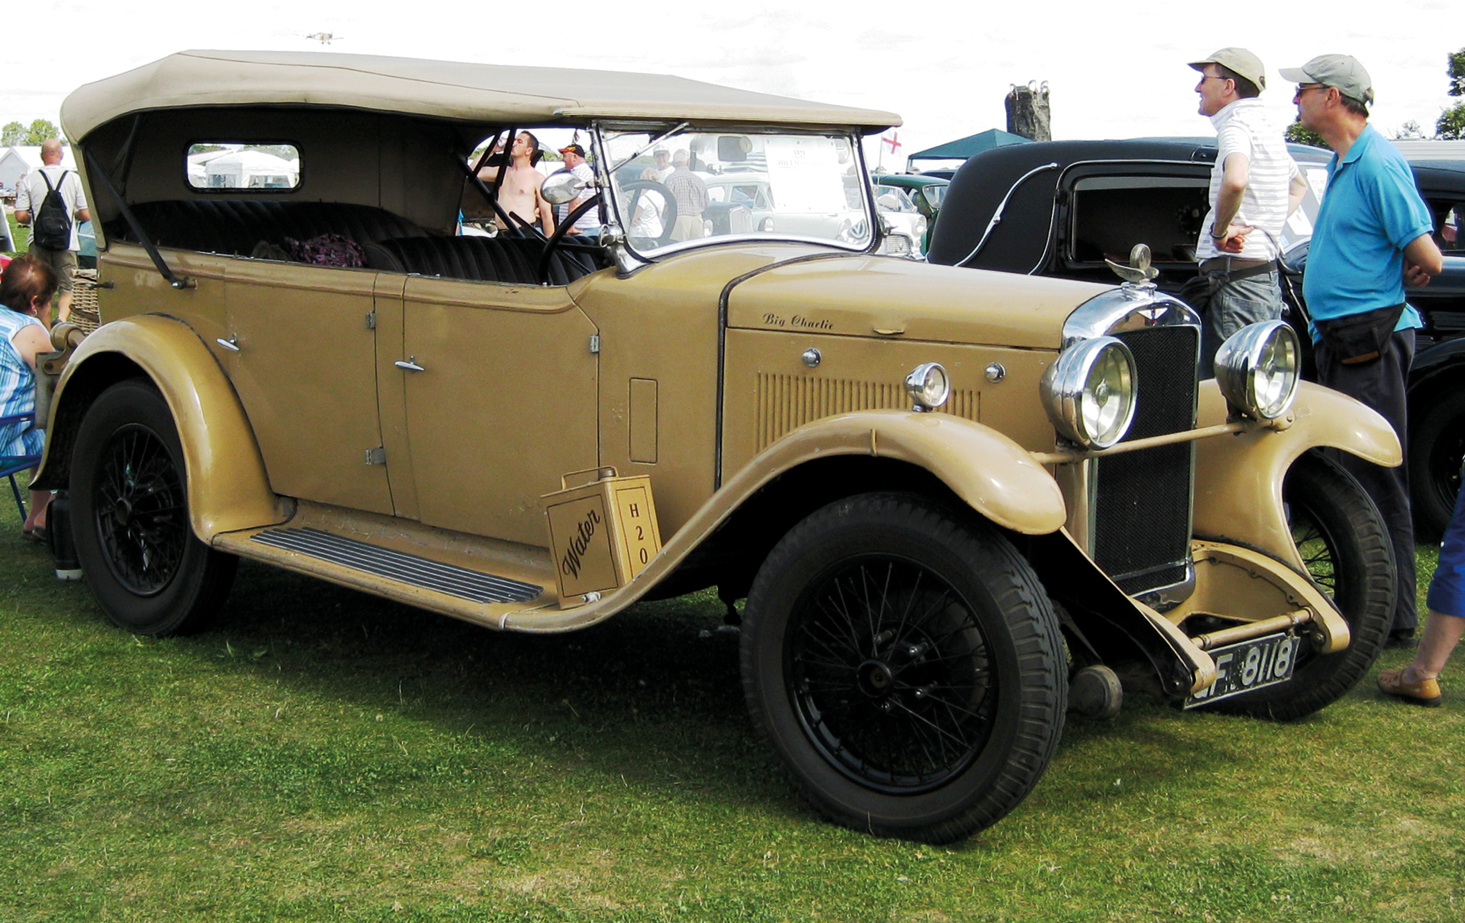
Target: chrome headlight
{"points": [[1089, 392], [1257, 369], [928, 386]]}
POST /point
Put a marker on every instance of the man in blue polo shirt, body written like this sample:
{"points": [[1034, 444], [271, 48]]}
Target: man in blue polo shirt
{"points": [[1372, 235]]}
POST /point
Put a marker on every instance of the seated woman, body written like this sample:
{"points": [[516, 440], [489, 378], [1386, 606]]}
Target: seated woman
{"points": [[25, 291]]}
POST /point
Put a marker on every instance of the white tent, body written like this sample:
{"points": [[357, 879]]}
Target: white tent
{"points": [[250, 169], [17, 161]]}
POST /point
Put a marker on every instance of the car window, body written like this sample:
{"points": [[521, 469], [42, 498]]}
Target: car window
{"points": [[1112, 213], [1447, 226], [234, 166]]}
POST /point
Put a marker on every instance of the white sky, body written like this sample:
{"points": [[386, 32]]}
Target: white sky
{"points": [[1113, 70]]}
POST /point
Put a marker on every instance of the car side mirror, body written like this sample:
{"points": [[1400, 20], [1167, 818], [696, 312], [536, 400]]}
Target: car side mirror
{"points": [[562, 187]]}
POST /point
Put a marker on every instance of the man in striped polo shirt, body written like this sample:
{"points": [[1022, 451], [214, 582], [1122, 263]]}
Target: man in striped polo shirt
{"points": [[1255, 185]]}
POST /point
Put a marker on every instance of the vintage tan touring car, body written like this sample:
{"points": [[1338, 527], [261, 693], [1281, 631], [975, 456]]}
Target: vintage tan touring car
{"points": [[955, 502]]}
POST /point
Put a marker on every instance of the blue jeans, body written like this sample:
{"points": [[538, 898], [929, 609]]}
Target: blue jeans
{"points": [[1234, 304]]}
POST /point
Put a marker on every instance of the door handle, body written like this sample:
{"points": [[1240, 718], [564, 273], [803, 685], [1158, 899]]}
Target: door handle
{"points": [[410, 364], [231, 344]]}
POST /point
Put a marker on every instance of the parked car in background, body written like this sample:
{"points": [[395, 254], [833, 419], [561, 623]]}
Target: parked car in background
{"points": [[1062, 208], [1437, 380], [86, 256], [925, 191], [905, 226], [954, 503]]}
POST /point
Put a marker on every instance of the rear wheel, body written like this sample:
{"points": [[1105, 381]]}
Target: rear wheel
{"points": [[905, 666], [129, 509], [1342, 540], [1436, 452]]}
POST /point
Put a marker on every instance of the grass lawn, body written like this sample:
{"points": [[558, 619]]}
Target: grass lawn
{"points": [[323, 755], [17, 234]]}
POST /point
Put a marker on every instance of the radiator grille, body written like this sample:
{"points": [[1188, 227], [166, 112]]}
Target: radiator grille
{"points": [[786, 402], [1142, 500]]}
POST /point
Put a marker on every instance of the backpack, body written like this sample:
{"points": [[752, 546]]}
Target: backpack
{"points": [[52, 227]]}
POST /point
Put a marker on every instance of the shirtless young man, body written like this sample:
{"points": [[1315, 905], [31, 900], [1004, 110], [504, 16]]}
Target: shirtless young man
{"points": [[520, 192]]}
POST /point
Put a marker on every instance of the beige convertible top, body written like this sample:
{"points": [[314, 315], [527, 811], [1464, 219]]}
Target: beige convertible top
{"points": [[445, 89]]}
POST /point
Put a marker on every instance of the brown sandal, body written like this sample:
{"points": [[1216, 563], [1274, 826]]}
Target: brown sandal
{"points": [[1426, 692]]}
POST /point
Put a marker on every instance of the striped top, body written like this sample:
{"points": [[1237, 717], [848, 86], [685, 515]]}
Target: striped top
{"points": [[1245, 127], [17, 388]]}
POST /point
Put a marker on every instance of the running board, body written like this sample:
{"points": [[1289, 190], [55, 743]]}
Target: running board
{"points": [[411, 569], [468, 577]]}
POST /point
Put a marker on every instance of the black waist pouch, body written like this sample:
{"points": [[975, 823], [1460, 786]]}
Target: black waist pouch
{"points": [[1359, 338]]}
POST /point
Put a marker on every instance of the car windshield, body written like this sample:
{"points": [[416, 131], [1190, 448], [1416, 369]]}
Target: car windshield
{"points": [[696, 187], [1298, 227]]}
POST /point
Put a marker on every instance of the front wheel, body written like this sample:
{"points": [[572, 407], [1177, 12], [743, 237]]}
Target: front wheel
{"points": [[905, 666], [129, 514], [1342, 540]]}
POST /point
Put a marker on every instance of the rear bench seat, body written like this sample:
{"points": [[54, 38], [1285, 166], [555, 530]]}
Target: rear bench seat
{"points": [[238, 225], [513, 260], [390, 243]]}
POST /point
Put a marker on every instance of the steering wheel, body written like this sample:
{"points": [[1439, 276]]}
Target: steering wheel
{"points": [[542, 270], [635, 190]]}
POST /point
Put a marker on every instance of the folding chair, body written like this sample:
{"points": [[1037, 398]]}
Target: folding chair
{"points": [[11, 465]]}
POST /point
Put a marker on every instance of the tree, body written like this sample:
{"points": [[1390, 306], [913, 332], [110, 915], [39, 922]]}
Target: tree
{"points": [[12, 134], [40, 130], [1451, 125], [1409, 131], [1299, 135]]}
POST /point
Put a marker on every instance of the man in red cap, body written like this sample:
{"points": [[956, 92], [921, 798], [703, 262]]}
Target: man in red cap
{"points": [[575, 162]]}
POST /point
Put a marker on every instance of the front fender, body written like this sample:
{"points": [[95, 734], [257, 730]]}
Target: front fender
{"points": [[1238, 478], [993, 475], [227, 485]]}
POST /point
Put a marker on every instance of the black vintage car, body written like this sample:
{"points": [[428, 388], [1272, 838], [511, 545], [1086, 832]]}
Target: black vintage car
{"points": [[1062, 208]]}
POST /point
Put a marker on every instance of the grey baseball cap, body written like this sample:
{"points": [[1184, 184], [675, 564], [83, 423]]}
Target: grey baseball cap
{"points": [[1239, 60], [1335, 70]]}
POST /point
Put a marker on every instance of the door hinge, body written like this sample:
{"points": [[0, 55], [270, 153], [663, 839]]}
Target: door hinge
{"points": [[376, 456], [594, 343], [370, 320]]}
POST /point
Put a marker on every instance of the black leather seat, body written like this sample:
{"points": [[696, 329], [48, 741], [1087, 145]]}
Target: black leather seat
{"points": [[483, 259], [239, 225]]}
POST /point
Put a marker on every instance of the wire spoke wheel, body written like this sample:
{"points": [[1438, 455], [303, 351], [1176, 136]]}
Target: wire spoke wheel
{"points": [[1345, 550], [140, 510], [134, 535], [891, 674], [905, 667]]}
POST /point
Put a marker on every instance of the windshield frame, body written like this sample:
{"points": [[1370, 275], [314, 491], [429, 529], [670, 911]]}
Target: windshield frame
{"points": [[666, 133]]}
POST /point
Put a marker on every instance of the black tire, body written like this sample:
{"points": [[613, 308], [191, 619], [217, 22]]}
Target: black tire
{"points": [[129, 509], [1436, 452], [905, 666], [1342, 540]]}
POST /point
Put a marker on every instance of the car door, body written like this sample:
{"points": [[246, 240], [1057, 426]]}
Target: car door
{"points": [[301, 353], [499, 400]]}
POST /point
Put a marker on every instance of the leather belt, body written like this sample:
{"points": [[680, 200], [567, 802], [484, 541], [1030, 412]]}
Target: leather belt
{"points": [[1231, 263]]}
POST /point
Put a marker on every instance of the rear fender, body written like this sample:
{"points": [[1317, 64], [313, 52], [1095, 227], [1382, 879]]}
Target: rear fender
{"points": [[227, 485]]}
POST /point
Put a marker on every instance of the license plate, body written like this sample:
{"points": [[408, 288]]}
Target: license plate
{"points": [[1249, 665]]}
